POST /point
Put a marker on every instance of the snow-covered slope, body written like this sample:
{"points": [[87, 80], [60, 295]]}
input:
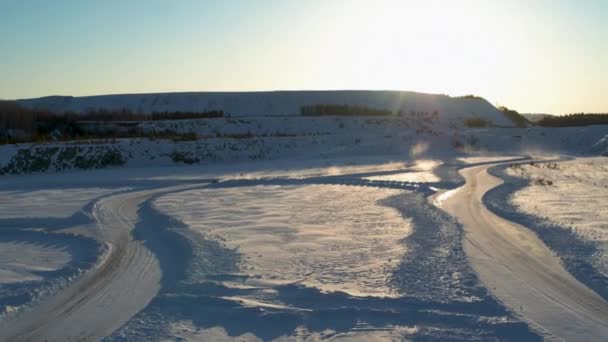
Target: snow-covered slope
{"points": [[277, 103], [536, 117]]}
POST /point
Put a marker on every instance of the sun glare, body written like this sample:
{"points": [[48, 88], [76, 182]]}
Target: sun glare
{"points": [[431, 46]]}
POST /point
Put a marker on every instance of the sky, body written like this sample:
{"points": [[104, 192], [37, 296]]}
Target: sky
{"points": [[542, 56]]}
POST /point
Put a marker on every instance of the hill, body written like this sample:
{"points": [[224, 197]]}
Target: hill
{"points": [[536, 117], [278, 103]]}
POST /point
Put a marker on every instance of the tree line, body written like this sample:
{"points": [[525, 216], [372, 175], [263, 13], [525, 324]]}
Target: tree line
{"points": [[570, 120], [21, 124], [106, 115], [342, 110], [517, 119]]}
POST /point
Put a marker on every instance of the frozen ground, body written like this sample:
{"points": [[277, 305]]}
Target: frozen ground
{"points": [[571, 194], [36, 264], [254, 139], [285, 258], [21, 261], [302, 228], [331, 237], [37, 255], [422, 171], [306, 250], [55, 203]]}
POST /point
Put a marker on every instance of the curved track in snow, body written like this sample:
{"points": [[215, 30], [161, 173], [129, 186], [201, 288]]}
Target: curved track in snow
{"points": [[124, 282], [510, 260], [519, 269]]}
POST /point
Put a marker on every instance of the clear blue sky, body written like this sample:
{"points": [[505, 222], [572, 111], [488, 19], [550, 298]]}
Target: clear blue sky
{"points": [[532, 55]]}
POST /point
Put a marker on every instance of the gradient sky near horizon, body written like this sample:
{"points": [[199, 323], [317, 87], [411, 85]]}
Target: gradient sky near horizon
{"points": [[545, 56]]}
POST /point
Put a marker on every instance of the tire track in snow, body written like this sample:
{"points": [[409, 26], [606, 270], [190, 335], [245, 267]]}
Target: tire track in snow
{"points": [[519, 269], [126, 279]]}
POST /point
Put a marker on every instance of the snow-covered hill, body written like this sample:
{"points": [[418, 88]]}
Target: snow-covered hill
{"points": [[277, 103], [536, 117]]}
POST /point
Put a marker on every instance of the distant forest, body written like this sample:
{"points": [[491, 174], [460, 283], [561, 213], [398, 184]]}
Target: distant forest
{"points": [[342, 110], [570, 120], [21, 124], [517, 119]]}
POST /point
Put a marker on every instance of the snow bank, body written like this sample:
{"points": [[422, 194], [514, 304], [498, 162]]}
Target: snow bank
{"points": [[563, 202]]}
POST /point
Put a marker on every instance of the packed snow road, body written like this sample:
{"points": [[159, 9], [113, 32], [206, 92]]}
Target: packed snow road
{"points": [[520, 270], [123, 283]]}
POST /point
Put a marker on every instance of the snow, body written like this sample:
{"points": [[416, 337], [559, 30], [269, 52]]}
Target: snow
{"points": [[312, 229], [186, 331], [334, 238], [35, 264], [484, 159], [21, 262], [521, 270], [575, 199], [294, 137], [421, 172], [293, 259], [49, 203]]}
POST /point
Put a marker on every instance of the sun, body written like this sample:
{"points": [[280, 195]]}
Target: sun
{"points": [[429, 46]]}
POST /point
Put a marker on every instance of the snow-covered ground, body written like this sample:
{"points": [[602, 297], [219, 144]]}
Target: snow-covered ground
{"points": [[331, 237], [422, 171], [308, 249], [309, 258], [323, 140], [520, 269], [565, 201], [47, 203], [19, 262], [304, 229], [35, 264], [571, 194], [43, 243]]}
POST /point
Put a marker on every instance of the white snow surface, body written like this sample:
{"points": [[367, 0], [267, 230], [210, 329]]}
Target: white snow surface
{"points": [[421, 172], [521, 270], [19, 262], [334, 238], [186, 331], [574, 199], [62, 202]]}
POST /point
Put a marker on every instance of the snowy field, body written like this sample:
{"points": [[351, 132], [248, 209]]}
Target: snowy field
{"points": [[47, 203], [293, 238], [43, 242], [295, 250], [293, 259], [330, 237], [21, 261], [566, 202], [571, 194]]}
